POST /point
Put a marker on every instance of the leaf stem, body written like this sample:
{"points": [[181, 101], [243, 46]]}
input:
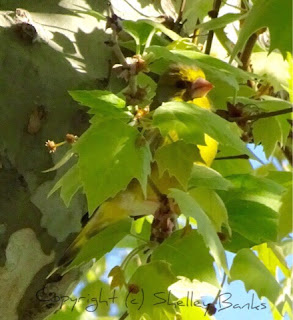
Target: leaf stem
{"points": [[213, 14], [149, 39], [124, 316], [133, 253], [155, 188], [220, 290]]}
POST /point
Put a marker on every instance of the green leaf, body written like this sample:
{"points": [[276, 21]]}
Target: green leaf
{"points": [[202, 176], [190, 122], [253, 206], [160, 27], [61, 162], [152, 280], [268, 138], [208, 63], [139, 30], [271, 257], [221, 21], [231, 166], [190, 208], [177, 158], [247, 268], [70, 183], [212, 205], [177, 249], [283, 178], [205, 62], [103, 242], [101, 103], [285, 222], [256, 189], [268, 13], [237, 242], [95, 98], [109, 158], [146, 82], [255, 221]]}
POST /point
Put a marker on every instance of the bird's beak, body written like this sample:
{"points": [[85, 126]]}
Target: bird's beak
{"points": [[200, 87]]}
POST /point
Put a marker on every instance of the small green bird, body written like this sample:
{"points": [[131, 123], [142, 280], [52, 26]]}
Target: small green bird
{"points": [[187, 83]]}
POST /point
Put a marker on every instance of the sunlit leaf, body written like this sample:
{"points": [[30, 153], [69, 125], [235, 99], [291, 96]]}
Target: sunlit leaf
{"points": [[190, 208], [149, 286], [109, 158], [221, 21], [268, 13], [176, 251], [285, 223], [247, 267], [212, 205], [70, 183], [190, 122], [202, 176], [268, 138], [177, 158], [272, 258]]}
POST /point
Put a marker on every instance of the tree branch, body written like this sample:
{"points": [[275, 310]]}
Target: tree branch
{"points": [[117, 50], [213, 14], [260, 115], [180, 14]]}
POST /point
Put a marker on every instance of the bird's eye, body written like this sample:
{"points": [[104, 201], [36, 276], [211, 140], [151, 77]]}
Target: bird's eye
{"points": [[180, 84]]}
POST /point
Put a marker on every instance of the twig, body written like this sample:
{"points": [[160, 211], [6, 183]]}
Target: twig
{"points": [[180, 14], [132, 85], [117, 50], [241, 156], [195, 32], [124, 316], [220, 290], [213, 14], [247, 51], [261, 115]]}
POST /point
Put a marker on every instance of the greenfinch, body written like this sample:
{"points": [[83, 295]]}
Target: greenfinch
{"points": [[187, 83]]}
